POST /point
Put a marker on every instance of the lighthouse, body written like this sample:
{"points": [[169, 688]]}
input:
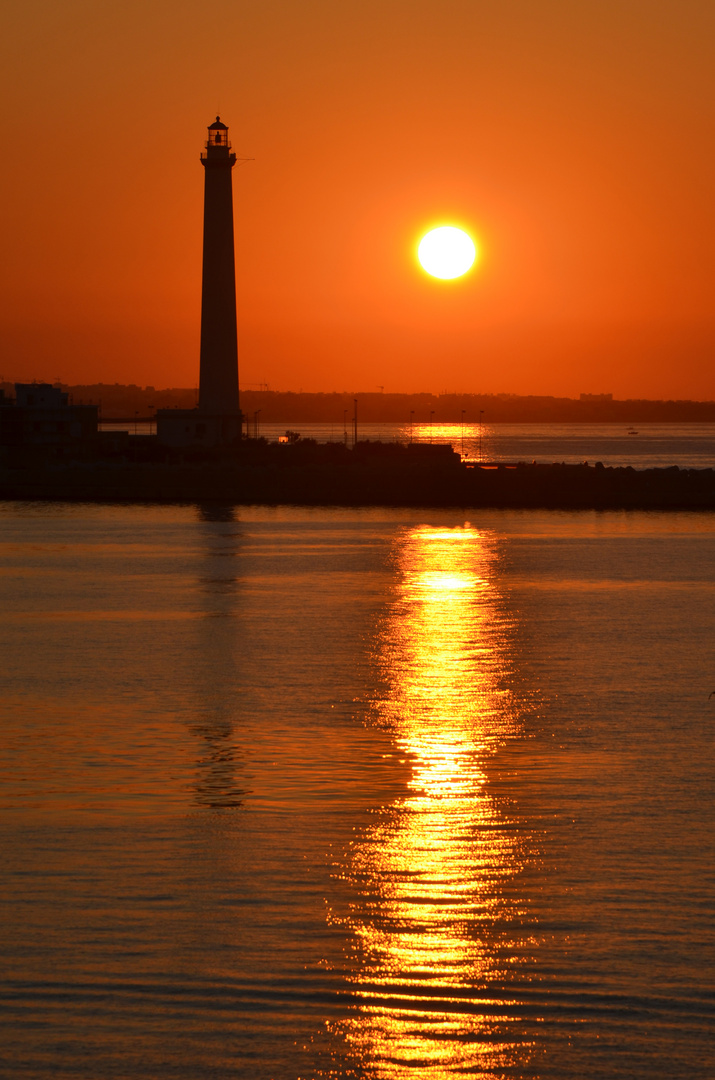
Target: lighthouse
{"points": [[218, 374], [217, 420]]}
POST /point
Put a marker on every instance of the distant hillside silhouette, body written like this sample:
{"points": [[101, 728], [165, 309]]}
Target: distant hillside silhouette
{"points": [[276, 406]]}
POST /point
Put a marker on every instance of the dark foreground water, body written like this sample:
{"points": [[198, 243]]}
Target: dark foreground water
{"points": [[293, 793]]}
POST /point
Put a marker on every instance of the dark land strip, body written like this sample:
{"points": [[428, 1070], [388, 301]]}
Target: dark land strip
{"points": [[130, 403], [372, 474]]}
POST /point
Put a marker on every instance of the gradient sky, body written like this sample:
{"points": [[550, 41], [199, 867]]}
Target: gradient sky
{"points": [[574, 138]]}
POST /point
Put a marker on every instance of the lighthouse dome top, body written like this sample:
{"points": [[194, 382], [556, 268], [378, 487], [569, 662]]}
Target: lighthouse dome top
{"points": [[217, 142], [218, 148]]}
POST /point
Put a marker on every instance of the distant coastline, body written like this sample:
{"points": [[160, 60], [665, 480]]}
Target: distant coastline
{"points": [[127, 402]]}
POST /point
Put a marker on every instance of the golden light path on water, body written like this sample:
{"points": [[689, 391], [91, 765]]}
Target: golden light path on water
{"points": [[432, 902]]}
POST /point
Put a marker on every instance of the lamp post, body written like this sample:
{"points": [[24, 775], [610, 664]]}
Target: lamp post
{"points": [[481, 414], [345, 426], [431, 414], [412, 416], [463, 412]]}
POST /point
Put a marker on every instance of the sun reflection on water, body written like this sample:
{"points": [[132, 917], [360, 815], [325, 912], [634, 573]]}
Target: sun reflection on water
{"points": [[433, 897]]}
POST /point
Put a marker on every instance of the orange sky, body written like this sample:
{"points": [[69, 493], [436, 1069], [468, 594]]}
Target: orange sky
{"points": [[575, 139]]}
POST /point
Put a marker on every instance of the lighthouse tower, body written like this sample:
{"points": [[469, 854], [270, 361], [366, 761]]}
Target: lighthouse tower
{"points": [[217, 420], [218, 375]]}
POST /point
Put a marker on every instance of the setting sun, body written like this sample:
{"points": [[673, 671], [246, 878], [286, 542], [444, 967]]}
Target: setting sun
{"points": [[446, 252]]}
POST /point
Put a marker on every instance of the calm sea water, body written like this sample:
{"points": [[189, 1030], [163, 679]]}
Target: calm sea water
{"points": [[645, 447], [353, 794]]}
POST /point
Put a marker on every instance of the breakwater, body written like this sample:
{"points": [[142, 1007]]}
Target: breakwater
{"points": [[371, 474]]}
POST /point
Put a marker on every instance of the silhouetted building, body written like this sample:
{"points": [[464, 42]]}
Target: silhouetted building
{"points": [[217, 420], [40, 415]]}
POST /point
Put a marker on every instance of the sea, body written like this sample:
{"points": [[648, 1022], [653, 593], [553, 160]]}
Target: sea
{"points": [[358, 794], [648, 446]]}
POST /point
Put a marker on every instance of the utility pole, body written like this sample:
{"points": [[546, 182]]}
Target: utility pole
{"points": [[355, 424]]}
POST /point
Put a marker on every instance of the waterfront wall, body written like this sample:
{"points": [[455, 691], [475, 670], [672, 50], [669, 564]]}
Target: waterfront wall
{"points": [[367, 482]]}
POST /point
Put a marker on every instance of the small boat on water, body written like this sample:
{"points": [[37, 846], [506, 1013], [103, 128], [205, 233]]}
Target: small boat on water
{"points": [[632, 431]]}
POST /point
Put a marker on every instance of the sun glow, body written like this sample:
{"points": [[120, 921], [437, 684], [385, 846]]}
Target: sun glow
{"points": [[446, 252], [436, 869]]}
